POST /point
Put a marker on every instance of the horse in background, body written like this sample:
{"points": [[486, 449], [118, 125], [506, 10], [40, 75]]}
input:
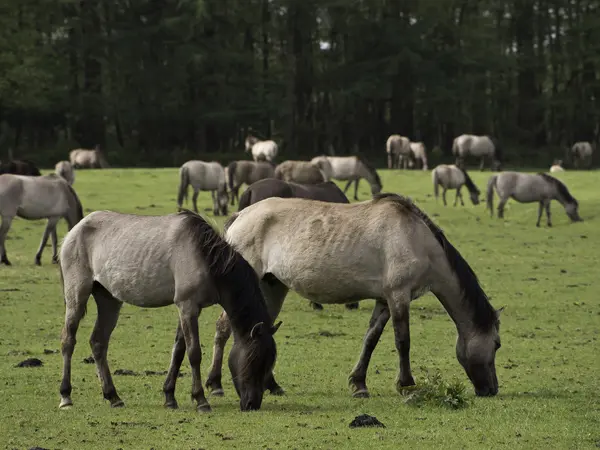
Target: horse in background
{"points": [[557, 166], [204, 176], [34, 198], [419, 155], [81, 158], [386, 249], [529, 188], [303, 172], [580, 154], [157, 261], [453, 177], [351, 169], [325, 192], [261, 150], [240, 172], [482, 147], [64, 169], [398, 150], [20, 167]]}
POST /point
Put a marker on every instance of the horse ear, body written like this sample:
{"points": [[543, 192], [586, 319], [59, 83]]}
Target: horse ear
{"points": [[256, 330], [275, 328], [499, 311]]}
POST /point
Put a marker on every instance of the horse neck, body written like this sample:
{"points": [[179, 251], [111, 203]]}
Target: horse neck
{"points": [[365, 173]]}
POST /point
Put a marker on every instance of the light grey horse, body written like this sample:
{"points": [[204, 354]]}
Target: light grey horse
{"points": [[65, 170], [398, 150], [529, 188], [261, 150], [155, 261], [420, 155], [204, 176], [81, 158], [351, 169], [34, 198], [385, 249], [581, 154], [482, 147], [453, 177], [303, 172], [240, 172]]}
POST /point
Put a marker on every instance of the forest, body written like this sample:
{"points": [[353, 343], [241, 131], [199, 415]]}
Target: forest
{"points": [[157, 82]]}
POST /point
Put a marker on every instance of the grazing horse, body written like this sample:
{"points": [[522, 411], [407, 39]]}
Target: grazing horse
{"points": [[261, 150], [64, 169], [479, 147], [33, 198], [529, 188], [557, 166], [325, 192], [419, 154], [453, 177], [398, 150], [20, 167], [581, 154], [386, 249], [155, 261], [204, 176], [303, 172], [240, 172], [81, 158], [351, 169]]}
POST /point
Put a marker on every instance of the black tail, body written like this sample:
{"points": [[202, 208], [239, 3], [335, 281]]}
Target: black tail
{"points": [[490, 193], [184, 180], [231, 171], [468, 182], [245, 200]]}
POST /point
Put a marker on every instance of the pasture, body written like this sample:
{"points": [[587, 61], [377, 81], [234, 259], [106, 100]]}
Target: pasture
{"points": [[547, 367]]}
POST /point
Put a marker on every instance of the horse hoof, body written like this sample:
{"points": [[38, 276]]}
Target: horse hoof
{"points": [[277, 391], [171, 405], [54, 261], [38, 262], [361, 393], [65, 403], [117, 404], [217, 392], [6, 262], [204, 408]]}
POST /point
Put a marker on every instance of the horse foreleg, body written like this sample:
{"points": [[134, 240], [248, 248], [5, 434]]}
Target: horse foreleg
{"points": [[4, 227], [459, 193], [50, 226], [548, 215], [356, 188], [54, 246], [177, 356], [195, 200], [390, 158], [213, 381], [108, 314], [540, 211], [482, 165], [188, 317], [215, 199], [399, 303], [358, 376], [444, 196], [456, 197], [347, 186]]}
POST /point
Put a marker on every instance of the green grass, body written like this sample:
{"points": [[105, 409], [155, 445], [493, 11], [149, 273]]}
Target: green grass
{"points": [[548, 365]]}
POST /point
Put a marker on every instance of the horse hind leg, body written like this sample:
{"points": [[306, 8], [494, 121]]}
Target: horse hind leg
{"points": [[4, 227], [540, 211], [195, 200], [356, 188], [54, 246], [548, 215], [501, 205], [177, 356], [482, 165], [108, 314], [444, 196], [347, 186], [358, 376], [50, 229], [222, 334]]}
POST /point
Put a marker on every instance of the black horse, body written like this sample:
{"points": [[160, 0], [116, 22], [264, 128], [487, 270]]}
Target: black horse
{"points": [[271, 187]]}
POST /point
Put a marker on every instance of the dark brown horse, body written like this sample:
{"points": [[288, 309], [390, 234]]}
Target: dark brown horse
{"points": [[19, 167], [271, 187]]}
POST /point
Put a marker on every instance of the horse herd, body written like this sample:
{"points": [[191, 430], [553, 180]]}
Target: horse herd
{"points": [[294, 229]]}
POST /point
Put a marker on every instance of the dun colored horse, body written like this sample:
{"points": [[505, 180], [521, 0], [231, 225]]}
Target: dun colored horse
{"points": [[34, 198], [303, 172], [81, 158], [453, 177], [261, 150], [20, 167], [150, 262], [240, 172], [398, 150], [385, 248], [482, 147], [325, 192], [529, 188], [420, 155], [351, 169], [581, 154], [64, 169], [204, 176]]}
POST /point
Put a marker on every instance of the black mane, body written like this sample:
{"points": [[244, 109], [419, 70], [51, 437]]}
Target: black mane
{"points": [[77, 202], [562, 189], [370, 168], [484, 315], [468, 182]]}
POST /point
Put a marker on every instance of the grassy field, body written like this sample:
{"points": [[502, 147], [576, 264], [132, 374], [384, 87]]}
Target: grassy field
{"points": [[547, 368]]}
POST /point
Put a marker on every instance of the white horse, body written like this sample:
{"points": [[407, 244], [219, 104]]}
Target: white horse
{"points": [[581, 154], [65, 170], [453, 177], [398, 149], [477, 146], [351, 169], [261, 150], [204, 176], [419, 154]]}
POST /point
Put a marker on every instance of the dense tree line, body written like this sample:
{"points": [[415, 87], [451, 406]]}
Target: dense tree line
{"points": [[157, 82]]}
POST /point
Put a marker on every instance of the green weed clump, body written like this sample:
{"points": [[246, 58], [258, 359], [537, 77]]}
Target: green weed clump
{"points": [[436, 391]]}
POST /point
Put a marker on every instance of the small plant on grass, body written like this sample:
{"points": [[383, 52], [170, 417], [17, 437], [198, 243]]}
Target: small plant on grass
{"points": [[436, 391]]}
